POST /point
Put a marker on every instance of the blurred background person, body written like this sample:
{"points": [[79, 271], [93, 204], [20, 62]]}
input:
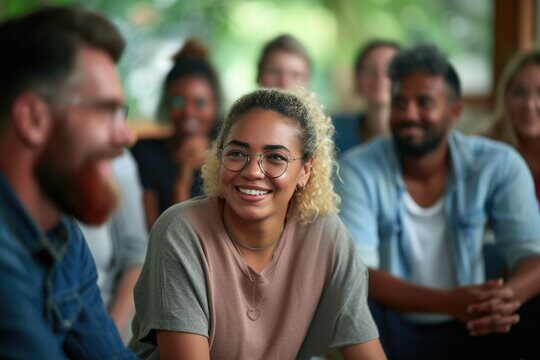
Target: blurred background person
{"points": [[119, 246], [517, 123], [284, 63], [372, 83], [517, 119], [190, 102]]}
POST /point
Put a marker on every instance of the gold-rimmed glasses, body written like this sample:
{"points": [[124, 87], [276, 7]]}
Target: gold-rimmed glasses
{"points": [[273, 163]]}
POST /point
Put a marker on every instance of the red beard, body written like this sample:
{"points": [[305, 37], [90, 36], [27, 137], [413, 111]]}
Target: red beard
{"points": [[94, 197], [79, 182], [90, 193]]}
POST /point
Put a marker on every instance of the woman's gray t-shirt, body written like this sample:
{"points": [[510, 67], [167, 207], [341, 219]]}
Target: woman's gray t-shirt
{"points": [[308, 299]]}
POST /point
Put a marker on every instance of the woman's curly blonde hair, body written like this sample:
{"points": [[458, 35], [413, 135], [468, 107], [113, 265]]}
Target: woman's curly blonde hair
{"points": [[503, 128], [316, 132]]}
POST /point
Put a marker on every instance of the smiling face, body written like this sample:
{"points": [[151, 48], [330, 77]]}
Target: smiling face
{"points": [[191, 106], [523, 102], [422, 113], [249, 193]]}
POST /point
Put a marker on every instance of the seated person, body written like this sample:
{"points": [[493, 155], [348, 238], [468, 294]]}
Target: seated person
{"points": [[170, 168], [261, 268], [284, 63], [517, 124], [119, 246], [62, 120], [517, 119], [371, 82], [417, 206]]}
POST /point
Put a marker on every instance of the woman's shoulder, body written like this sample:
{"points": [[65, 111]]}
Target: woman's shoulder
{"points": [[328, 229], [183, 212], [176, 230], [329, 222]]}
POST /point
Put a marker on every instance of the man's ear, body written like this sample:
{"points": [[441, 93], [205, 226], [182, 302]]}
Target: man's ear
{"points": [[456, 107], [32, 120]]}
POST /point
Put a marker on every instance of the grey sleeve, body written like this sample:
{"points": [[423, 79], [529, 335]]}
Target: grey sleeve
{"points": [[171, 291], [128, 227], [342, 317]]}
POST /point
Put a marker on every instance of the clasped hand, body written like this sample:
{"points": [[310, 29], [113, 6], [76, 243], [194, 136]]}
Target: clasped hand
{"points": [[487, 308]]}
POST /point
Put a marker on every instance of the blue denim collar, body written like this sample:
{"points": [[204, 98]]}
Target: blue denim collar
{"points": [[461, 161], [54, 242]]}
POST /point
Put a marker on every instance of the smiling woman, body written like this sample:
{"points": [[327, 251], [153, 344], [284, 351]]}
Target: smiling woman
{"points": [[170, 168], [517, 118], [261, 267]]}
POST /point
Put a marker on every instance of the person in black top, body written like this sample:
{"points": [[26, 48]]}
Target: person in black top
{"points": [[169, 168]]}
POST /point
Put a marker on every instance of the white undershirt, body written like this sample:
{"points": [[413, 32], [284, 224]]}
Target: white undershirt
{"points": [[429, 250]]}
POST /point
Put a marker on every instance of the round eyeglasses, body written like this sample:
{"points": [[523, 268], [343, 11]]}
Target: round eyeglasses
{"points": [[273, 163]]}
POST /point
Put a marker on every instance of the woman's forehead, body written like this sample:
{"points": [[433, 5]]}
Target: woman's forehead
{"points": [[260, 127]]}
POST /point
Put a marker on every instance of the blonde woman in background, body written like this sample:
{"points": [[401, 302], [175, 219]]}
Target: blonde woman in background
{"points": [[517, 119], [261, 267]]}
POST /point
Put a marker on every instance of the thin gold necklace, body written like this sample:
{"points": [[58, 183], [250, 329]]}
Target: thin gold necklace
{"points": [[253, 312], [250, 248]]}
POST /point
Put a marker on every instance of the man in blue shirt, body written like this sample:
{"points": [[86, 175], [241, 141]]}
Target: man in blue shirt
{"points": [[62, 119], [418, 206]]}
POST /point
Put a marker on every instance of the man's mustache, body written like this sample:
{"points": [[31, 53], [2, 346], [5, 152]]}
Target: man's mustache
{"points": [[410, 125]]}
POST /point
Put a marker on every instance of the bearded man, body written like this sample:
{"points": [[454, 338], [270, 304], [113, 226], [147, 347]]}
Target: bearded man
{"points": [[62, 120], [418, 206]]}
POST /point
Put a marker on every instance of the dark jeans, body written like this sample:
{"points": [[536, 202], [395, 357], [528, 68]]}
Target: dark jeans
{"points": [[403, 340]]}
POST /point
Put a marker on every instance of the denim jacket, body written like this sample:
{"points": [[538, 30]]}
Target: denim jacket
{"points": [[50, 306], [489, 184]]}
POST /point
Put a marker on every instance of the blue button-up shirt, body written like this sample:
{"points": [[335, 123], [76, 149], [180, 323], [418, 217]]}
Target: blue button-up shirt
{"points": [[50, 305], [489, 184]]}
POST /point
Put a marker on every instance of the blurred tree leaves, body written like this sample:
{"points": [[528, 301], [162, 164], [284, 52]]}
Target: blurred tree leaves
{"points": [[332, 30]]}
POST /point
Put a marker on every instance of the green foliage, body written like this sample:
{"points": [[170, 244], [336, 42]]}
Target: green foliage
{"points": [[332, 30]]}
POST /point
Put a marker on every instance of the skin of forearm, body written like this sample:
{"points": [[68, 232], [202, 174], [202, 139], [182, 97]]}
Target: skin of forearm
{"points": [[151, 207], [403, 296], [370, 350], [525, 279], [123, 306], [178, 346]]}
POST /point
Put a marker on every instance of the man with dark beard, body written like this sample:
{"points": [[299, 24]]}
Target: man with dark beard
{"points": [[62, 119], [418, 205]]}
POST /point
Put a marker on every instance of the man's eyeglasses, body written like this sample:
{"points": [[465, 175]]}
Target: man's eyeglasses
{"points": [[273, 163], [118, 111]]}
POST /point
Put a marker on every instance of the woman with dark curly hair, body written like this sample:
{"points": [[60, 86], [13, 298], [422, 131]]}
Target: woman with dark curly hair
{"points": [[170, 168]]}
